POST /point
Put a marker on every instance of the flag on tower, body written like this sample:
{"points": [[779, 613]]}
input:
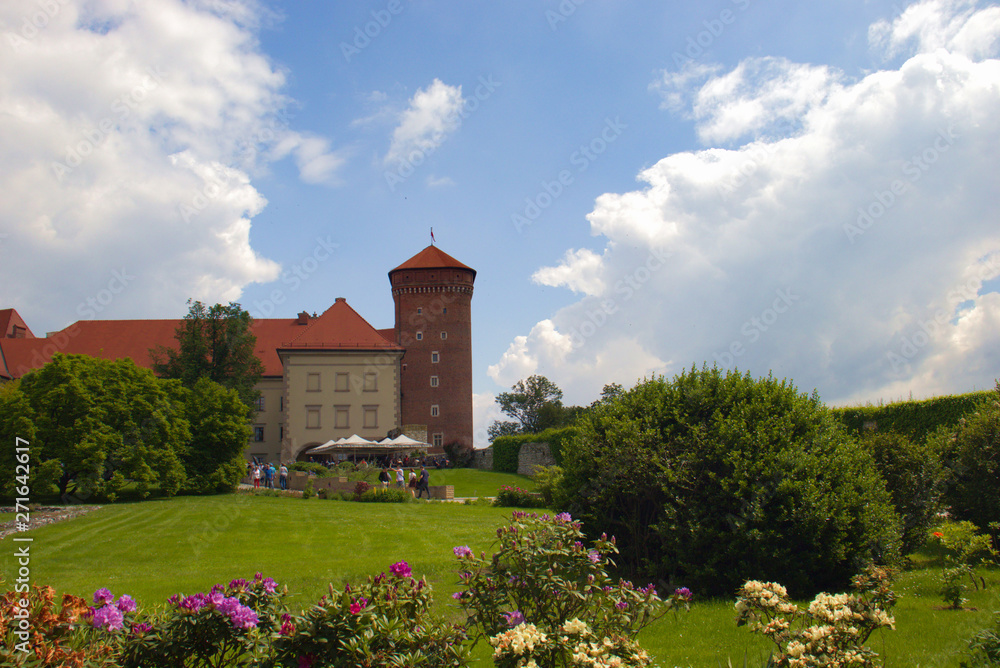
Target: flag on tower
{"points": [[432, 235]]}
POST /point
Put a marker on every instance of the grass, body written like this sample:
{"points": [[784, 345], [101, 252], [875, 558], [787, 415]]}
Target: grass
{"points": [[157, 548]]}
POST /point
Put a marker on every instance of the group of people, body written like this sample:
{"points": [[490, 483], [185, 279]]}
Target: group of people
{"points": [[260, 473], [418, 484]]}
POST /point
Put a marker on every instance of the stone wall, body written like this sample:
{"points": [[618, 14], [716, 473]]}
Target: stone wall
{"points": [[297, 481], [532, 455], [482, 459]]}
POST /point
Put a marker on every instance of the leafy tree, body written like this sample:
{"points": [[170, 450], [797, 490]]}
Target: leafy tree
{"points": [[502, 428], [18, 430], [214, 342], [220, 428], [530, 402], [715, 478], [103, 422], [914, 477], [973, 453]]}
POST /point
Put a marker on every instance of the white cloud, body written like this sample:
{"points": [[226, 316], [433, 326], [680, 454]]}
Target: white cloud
{"points": [[132, 130], [954, 25], [817, 254], [433, 114]]}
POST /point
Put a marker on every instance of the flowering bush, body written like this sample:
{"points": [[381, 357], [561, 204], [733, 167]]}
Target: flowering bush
{"points": [[831, 632], [52, 636], [511, 496], [228, 626], [545, 599], [384, 622], [964, 549]]}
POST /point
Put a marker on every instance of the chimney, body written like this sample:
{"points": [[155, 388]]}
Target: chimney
{"points": [[303, 318]]}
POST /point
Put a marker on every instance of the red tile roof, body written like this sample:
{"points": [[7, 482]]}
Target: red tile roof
{"points": [[432, 258], [9, 318], [340, 327]]}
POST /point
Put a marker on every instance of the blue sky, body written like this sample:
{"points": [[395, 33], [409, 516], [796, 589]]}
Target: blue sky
{"points": [[807, 189]]}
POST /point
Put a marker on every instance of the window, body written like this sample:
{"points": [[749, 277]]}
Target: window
{"points": [[444, 310], [281, 432], [434, 381], [404, 366], [312, 417], [371, 381], [419, 311], [342, 417], [258, 433], [435, 357], [342, 381], [281, 403], [435, 409], [420, 336], [438, 440], [370, 417], [444, 335], [312, 382], [260, 403]]}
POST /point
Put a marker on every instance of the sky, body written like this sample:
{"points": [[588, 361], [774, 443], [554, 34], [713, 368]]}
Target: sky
{"points": [[808, 190]]}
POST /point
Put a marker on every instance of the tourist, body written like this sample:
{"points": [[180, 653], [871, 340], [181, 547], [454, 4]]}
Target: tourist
{"points": [[283, 472], [413, 483], [422, 485], [256, 477], [383, 477], [399, 476]]}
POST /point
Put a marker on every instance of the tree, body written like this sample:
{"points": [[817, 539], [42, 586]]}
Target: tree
{"points": [[715, 478], [220, 428], [533, 403], [104, 422], [214, 342]]}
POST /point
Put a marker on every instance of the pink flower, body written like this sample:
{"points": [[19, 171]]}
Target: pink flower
{"points": [[401, 569], [108, 617], [306, 660], [102, 597], [462, 551], [358, 605], [126, 604]]}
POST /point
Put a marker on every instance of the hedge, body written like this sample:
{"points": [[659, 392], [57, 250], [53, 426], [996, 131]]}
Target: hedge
{"points": [[915, 419], [507, 448]]}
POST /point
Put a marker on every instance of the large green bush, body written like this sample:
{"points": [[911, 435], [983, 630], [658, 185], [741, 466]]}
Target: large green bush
{"points": [[715, 478], [914, 477], [972, 451]]}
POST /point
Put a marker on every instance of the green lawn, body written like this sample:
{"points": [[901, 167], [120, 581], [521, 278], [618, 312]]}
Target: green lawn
{"points": [[470, 482], [154, 549]]}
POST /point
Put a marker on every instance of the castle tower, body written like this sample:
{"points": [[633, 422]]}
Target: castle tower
{"points": [[432, 292]]}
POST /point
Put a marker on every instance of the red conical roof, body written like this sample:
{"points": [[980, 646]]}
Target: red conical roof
{"points": [[432, 257]]}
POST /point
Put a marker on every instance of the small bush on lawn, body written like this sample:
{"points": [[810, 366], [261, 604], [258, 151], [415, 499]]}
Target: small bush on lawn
{"points": [[390, 495], [547, 479], [510, 496], [312, 467], [831, 632], [309, 491], [545, 600], [984, 647], [384, 622]]}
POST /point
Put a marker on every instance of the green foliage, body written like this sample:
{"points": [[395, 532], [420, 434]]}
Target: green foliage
{"points": [[914, 477], [965, 550], [533, 403], [389, 495], [98, 418], [972, 450], [511, 496], [313, 467], [544, 597], [384, 622], [714, 478], [914, 419], [984, 647], [548, 479], [831, 632], [220, 430], [507, 448], [214, 342], [953, 585], [309, 491]]}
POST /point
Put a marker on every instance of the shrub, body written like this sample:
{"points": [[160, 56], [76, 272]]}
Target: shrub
{"points": [[360, 488], [914, 419], [973, 453], [507, 448], [311, 467], [544, 597], [984, 647], [309, 491], [715, 478], [384, 622], [510, 496], [914, 478], [390, 495], [547, 479], [831, 632]]}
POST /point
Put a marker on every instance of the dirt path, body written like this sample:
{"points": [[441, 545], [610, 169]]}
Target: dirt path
{"points": [[39, 517]]}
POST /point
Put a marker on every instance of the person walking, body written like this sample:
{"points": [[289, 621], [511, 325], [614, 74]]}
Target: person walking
{"points": [[413, 483], [422, 485], [283, 473], [399, 476]]}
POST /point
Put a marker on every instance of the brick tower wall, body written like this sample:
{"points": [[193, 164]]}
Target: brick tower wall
{"points": [[430, 301]]}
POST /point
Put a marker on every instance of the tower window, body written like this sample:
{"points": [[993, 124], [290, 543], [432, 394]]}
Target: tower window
{"points": [[258, 433], [420, 311], [434, 381], [435, 409], [444, 335], [435, 357], [438, 440], [420, 336]]}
